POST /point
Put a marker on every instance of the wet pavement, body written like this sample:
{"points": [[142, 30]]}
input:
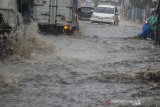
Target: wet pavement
{"points": [[103, 66]]}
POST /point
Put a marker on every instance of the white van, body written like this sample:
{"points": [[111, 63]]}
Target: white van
{"points": [[105, 14]]}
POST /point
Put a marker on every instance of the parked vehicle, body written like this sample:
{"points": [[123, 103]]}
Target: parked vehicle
{"points": [[52, 16], [56, 16], [85, 12], [105, 14]]}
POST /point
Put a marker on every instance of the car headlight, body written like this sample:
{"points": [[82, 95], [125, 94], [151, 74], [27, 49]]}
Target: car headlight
{"points": [[112, 17]]}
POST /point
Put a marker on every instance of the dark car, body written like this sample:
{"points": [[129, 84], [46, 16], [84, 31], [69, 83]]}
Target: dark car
{"points": [[85, 12]]}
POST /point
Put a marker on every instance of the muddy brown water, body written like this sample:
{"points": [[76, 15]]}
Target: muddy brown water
{"points": [[102, 65]]}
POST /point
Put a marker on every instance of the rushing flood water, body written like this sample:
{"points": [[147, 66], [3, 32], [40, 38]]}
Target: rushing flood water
{"points": [[104, 65]]}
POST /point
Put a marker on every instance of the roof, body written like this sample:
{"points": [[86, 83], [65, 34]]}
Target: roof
{"points": [[86, 5], [110, 6]]}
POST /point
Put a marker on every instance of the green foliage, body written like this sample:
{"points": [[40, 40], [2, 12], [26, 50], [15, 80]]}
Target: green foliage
{"points": [[141, 4]]}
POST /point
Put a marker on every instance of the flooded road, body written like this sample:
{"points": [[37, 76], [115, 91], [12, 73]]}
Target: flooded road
{"points": [[103, 66]]}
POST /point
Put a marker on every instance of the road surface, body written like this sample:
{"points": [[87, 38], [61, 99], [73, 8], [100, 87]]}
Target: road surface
{"points": [[103, 66]]}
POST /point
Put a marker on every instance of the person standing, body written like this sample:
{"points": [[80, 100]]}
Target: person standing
{"points": [[153, 20], [158, 31]]}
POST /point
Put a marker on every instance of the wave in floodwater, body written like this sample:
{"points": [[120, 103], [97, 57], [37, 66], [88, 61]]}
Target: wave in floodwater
{"points": [[22, 45], [64, 75], [60, 80]]}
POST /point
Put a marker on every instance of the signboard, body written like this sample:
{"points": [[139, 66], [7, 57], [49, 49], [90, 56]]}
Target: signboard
{"points": [[82, 3]]}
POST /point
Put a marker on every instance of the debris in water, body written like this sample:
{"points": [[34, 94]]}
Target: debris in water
{"points": [[150, 75]]}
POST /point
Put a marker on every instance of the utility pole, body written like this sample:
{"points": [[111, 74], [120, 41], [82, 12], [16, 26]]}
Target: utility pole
{"points": [[49, 20], [122, 8]]}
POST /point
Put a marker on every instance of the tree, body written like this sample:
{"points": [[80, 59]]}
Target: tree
{"points": [[96, 2], [141, 4]]}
